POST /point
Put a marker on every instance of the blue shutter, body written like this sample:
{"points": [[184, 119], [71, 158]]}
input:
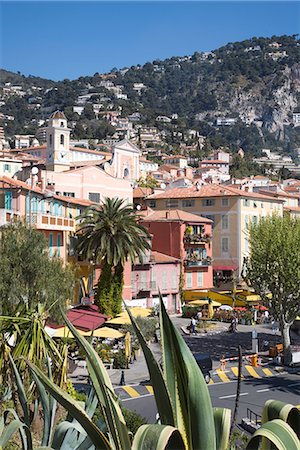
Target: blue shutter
{"points": [[8, 200], [50, 244], [58, 244]]}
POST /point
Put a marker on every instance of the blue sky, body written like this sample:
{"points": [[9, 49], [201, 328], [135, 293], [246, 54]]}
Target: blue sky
{"points": [[60, 40]]}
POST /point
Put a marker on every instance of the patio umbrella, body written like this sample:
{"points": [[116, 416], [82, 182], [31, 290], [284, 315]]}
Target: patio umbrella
{"points": [[105, 332], [64, 332], [226, 308], [213, 303]]}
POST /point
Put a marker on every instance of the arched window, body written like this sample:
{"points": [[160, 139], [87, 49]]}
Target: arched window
{"points": [[50, 139], [126, 172], [62, 139]]}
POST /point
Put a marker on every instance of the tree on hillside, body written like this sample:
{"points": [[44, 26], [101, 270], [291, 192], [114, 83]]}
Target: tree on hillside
{"points": [[28, 276], [147, 182], [109, 234], [274, 268]]}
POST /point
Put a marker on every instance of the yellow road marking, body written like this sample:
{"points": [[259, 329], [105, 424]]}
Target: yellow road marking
{"points": [[235, 371], [252, 372], [132, 392], [211, 381], [222, 375], [149, 389], [268, 372]]}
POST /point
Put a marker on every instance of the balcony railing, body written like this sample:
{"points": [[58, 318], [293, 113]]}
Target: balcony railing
{"points": [[196, 239], [144, 286], [197, 262], [48, 222]]}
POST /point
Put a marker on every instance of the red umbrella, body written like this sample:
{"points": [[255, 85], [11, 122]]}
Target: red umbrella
{"points": [[261, 308], [240, 308]]}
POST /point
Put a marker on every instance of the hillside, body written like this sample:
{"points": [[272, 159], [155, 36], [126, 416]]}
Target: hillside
{"points": [[254, 83]]}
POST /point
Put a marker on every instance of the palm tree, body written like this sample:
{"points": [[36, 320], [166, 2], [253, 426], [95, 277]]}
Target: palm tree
{"points": [[109, 234]]}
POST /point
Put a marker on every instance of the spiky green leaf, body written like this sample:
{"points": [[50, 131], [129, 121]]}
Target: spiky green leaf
{"points": [[158, 437], [278, 435]]}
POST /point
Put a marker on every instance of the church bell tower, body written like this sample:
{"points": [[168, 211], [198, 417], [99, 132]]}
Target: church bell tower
{"points": [[58, 155]]}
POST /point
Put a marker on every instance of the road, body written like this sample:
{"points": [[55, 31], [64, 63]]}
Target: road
{"points": [[254, 393]]}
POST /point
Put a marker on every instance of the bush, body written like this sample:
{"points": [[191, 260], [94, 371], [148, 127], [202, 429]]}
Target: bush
{"points": [[120, 360], [189, 311]]}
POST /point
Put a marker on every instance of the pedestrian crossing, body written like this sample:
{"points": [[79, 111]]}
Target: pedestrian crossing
{"points": [[217, 376]]}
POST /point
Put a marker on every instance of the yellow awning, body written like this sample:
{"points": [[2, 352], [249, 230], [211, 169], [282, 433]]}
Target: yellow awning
{"points": [[64, 332], [203, 303], [123, 318], [106, 333]]}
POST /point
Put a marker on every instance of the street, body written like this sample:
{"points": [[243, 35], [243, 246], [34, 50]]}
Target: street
{"points": [[254, 393]]}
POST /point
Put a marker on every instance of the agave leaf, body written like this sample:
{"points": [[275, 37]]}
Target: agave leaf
{"points": [[21, 392], [66, 435], [10, 430], [24, 431], [222, 417], [112, 412], [98, 438], [278, 434], [275, 409], [158, 437], [44, 399], [193, 395], [161, 394]]}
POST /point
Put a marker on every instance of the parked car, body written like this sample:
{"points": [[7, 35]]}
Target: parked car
{"points": [[205, 363]]}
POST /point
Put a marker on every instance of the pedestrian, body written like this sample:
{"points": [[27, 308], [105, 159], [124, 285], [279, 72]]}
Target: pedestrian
{"points": [[193, 325], [223, 363], [122, 380], [266, 317], [199, 315]]}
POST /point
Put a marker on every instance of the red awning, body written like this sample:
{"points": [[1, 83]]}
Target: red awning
{"points": [[220, 268], [86, 320]]}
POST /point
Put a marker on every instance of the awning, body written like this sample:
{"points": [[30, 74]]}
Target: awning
{"points": [[64, 332], [86, 320], [203, 303], [123, 318], [220, 268], [105, 332]]}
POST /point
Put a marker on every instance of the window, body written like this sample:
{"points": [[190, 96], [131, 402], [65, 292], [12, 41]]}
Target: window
{"points": [[254, 220], [225, 202], [152, 203], [246, 245], [210, 217], [50, 139], [225, 244], [225, 222], [246, 220], [62, 139], [189, 279], [171, 203], [246, 202], [8, 200], [7, 168], [208, 202], [188, 203], [50, 244], [58, 244], [261, 205], [69, 194], [61, 124], [200, 279], [94, 197]]}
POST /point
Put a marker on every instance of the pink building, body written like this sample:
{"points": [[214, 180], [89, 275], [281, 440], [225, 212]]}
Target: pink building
{"points": [[156, 273], [187, 237]]}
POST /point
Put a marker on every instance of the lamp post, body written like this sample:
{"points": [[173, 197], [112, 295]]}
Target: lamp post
{"points": [[34, 171]]}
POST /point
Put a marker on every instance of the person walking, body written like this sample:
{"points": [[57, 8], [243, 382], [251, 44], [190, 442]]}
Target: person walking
{"points": [[193, 325]]}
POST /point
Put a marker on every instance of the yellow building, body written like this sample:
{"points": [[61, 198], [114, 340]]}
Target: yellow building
{"points": [[231, 210]]}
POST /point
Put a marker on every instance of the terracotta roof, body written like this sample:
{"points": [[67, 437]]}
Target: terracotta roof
{"points": [[25, 186], [211, 190], [292, 208], [278, 194], [213, 161], [161, 258], [139, 192], [168, 167], [174, 215], [175, 156]]}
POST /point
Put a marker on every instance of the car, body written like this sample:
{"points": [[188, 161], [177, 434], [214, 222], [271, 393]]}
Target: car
{"points": [[204, 361]]}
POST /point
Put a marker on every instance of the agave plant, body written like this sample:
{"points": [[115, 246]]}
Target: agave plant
{"points": [[187, 419]]}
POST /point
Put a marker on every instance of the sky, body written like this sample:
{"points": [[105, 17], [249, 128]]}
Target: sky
{"points": [[59, 40]]}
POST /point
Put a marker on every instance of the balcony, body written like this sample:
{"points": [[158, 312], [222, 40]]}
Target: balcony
{"points": [[190, 239], [8, 216], [144, 286], [204, 262], [47, 222]]}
